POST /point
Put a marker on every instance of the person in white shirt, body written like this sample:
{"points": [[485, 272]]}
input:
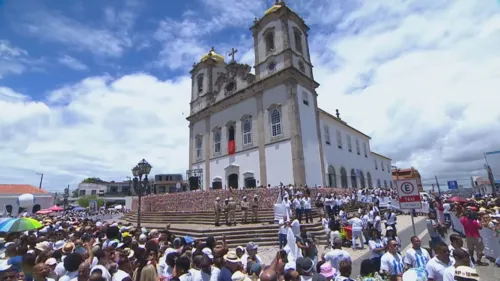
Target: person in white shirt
{"points": [[390, 219], [357, 232], [390, 235], [298, 207], [336, 254], [103, 263], [284, 224], [307, 205], [287, 204], [461, 258], [446, 211], [366, 226], [391, 263], [251, 251], [436, 266], [377, 249], [295, 226], [416, 256], [377, 223]]}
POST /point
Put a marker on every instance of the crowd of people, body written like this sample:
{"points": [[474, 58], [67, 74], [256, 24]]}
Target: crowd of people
{"points": [[70, 247]]}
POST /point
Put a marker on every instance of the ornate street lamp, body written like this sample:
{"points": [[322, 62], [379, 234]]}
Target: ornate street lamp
{"points": [[141, 184]]}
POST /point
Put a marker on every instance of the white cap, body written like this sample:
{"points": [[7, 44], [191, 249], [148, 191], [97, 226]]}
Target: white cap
{"points": [[51, 261], [208, 252]]}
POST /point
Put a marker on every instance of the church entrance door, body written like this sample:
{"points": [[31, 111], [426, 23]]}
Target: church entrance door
{"points": [[232, 181]]}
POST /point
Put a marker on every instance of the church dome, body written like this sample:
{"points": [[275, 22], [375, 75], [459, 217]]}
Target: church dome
{"points": [[212, 54], [272, 9]]}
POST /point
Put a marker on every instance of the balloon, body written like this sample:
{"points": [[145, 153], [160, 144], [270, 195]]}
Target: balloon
{"points": [[26, 200]]}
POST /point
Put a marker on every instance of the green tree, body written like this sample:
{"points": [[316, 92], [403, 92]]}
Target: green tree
{"points": [[93, 180], [84, 201]]}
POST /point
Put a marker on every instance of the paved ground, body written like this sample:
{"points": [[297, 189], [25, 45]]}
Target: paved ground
{"points": [[487, 273]]}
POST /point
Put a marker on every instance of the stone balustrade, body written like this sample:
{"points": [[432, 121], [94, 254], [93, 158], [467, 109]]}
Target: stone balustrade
{"points": [[203, 201]]}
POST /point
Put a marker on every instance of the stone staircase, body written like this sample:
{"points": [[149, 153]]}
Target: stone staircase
{"points": [[200, 225]]}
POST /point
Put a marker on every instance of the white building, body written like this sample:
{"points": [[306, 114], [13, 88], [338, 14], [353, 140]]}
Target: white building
{"points": [[9, 194], [89, 189], [264, 129]]}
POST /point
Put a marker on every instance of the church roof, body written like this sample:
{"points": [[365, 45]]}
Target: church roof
{"points": [[213, 55], [342, 122]]}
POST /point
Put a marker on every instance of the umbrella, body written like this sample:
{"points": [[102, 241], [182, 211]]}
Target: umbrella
{"points": [[458, 199], [78, 209], [19, 225], [43, 212], [55, 208]]}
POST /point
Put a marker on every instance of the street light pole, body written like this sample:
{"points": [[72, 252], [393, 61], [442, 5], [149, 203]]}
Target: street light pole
{"points": [[41, 180], [140, 185]]}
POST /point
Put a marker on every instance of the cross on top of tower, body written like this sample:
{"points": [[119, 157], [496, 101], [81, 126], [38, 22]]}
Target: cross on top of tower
{"points": [[233, 51], [337, 113]]}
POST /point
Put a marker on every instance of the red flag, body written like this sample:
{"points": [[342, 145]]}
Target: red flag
{"points": [[231, 148]]}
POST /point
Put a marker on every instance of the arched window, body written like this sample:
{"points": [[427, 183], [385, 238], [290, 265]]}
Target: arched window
{"points": [[269, 41], [198, 145], [390, 183], [217, 139], [343, 177], [327, 134], [275, 122], [199, 83], [332, 177], [362, 179], [354, 181], [369, 177], [298, 40], [230, 132], [247, 131], [385, 184], [379, 185]]}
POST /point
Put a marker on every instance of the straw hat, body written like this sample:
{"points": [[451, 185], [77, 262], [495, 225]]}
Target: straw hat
{"points": [[231, 257], [68, 248]]}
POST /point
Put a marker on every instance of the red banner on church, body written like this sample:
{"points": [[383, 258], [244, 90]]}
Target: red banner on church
{"points": [[231, 148]]}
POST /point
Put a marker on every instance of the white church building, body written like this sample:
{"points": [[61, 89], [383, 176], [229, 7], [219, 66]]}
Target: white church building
{"points": [[251, 130]]}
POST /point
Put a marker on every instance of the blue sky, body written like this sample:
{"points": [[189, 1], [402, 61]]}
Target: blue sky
{"points": [[85, 84]]}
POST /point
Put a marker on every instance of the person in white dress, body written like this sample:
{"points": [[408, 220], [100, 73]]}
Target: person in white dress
{"points": [[357, 231], [461, 258]]}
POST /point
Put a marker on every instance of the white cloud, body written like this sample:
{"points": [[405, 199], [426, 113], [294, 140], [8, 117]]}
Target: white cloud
{"points": [[72, 63], [102, 129], [12, 59]]}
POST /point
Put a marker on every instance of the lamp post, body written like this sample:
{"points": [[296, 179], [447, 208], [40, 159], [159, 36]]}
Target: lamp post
{"points": [[140, 184], [66, 196]]}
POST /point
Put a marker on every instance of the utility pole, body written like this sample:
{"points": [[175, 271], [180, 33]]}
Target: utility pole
{"points": [[437, 184], [41, 180], [490, 177]]}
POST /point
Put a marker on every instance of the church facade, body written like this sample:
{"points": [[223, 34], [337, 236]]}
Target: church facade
{"points": [[266, 128]]}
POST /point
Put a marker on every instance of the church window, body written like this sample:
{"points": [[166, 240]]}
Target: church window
{"points": [[349, 144], [378, 184], [217, 139], [271, 66], [357, 147], [302, 68], [199, 82], [385, 184], [247, 131], [198, 146], [298, 40], [339, 139], [365, 150], [388, 168], [275, 122], [305, 98], [382, 165], [376, 164], [327, 135], [269, 37], [230, 132]]}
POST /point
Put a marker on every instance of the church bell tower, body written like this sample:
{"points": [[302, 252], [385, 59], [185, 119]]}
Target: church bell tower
{"points": [[281, 41]]}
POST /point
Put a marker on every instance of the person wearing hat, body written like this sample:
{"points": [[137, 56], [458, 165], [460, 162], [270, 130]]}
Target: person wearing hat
{"points": [[232, 211], [218, 210], [231, 264], [245, 205], [225, 207], [462, 258], [255, 208]]}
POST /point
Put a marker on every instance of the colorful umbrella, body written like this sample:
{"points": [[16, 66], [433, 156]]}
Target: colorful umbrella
{"points": [[43, 212], [55, 208], [458, 199], [19, 225]]}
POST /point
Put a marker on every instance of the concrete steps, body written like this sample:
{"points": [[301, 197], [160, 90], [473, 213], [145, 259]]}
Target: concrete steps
{"points": [[200, 225]]}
